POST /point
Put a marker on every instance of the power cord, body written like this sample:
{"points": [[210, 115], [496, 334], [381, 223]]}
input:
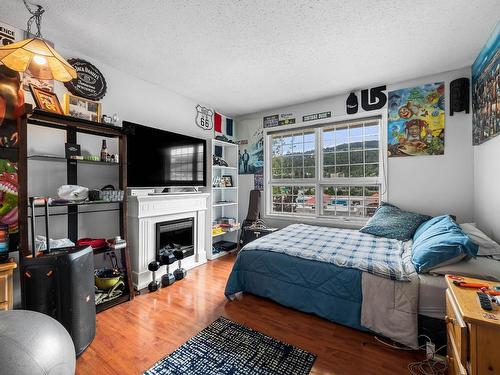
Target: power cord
{"points": [[428, 366]]}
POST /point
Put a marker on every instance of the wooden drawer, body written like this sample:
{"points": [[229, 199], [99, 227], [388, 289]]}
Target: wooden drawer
{"points": [[455, 367], [456, 328], [4, 287]]}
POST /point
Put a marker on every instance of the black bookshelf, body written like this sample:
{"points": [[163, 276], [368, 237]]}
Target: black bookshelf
{"points": [[72, 126]]}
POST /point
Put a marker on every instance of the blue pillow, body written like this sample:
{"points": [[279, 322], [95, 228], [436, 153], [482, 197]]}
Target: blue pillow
{"points": [[391, 222], [440, 241]]}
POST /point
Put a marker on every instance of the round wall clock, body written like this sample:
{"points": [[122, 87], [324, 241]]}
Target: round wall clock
{"points": [[90, 83]]}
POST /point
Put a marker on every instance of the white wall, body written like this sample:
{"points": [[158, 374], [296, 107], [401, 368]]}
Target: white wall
{"points": [[487, 187], [432, 185]]}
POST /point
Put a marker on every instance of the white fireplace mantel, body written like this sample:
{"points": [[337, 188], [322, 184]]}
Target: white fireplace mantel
{"points": [[143, 214]]}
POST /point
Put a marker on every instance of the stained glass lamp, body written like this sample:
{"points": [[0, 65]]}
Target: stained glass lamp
{"points": [[38, 58]]}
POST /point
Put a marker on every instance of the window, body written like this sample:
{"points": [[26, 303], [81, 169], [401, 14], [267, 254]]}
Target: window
{"points": [[336, 164]]}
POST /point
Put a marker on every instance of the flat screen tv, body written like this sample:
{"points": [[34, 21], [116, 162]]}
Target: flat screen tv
{"points": [[158, 158]]}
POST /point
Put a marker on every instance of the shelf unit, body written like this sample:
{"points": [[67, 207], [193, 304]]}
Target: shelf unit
{"points": [[224, 199], [72, 127]]}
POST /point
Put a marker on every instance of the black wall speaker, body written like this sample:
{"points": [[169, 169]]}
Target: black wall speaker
{"points": [[459, 95], [61, 285]]}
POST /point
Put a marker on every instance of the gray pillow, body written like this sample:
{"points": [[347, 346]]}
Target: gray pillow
{"points": [[392, 222]]}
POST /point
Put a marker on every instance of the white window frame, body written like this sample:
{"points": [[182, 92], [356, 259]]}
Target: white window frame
{"points": [[319, 182]]}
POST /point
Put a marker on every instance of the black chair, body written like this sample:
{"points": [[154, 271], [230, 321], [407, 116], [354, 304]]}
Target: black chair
{"points": [[253, 215]]}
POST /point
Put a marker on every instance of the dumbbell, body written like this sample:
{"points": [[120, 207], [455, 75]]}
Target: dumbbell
{"points": [[153, 267], [180, 272], [167, 258]]}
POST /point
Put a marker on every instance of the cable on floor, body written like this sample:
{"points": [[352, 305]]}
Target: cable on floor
{"points": [[428, 366]]}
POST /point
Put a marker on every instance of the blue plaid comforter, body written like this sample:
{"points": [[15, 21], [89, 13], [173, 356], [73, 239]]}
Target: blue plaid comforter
{"points": [[379, 256]]}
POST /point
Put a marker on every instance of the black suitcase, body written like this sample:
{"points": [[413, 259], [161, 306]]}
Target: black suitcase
{"points": [[60, 283]]}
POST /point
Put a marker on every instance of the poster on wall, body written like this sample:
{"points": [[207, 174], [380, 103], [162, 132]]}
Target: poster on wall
{"points": [[251, 155], [415, 123], [317, 116], [8, 201], [258, 182], [485, 91], [286, 119], [270, 121], [11, 106]]}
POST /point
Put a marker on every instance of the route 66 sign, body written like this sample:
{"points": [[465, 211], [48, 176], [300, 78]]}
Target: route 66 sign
{"points": [[204, 117]]}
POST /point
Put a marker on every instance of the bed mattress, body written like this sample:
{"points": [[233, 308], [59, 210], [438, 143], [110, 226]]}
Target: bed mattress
{"points": [[432, 296], [319, 288]]}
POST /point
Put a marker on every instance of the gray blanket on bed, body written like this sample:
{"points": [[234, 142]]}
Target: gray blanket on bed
{"points": [[390, 307]]}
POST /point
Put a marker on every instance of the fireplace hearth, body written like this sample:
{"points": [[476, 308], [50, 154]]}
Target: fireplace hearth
{"points": [[175, 235]]}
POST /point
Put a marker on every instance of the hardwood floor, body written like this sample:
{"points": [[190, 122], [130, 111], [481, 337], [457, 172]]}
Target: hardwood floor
{"points": [[133, 336]]}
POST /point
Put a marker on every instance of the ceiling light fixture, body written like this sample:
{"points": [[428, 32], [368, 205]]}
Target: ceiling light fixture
{"points": [[35, 55]]}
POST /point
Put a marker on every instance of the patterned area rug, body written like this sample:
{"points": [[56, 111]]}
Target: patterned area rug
{"points": [[226, 347]]}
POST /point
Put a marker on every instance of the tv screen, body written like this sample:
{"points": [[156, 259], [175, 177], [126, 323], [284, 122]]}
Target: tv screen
{"points": [[158, 158]]}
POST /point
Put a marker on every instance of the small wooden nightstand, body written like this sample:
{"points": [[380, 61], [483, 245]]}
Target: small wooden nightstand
{"points": [[473, 333], [6, 286]]}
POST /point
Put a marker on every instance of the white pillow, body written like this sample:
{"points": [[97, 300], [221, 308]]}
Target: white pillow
{"points": [[487, 247], [479, 268]]}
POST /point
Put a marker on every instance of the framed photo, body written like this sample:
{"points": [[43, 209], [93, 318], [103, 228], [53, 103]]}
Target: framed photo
{"points": [[228, 181], [46, 100], [78, 107]]}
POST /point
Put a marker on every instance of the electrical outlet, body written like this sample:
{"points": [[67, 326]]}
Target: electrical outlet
{"points": [[430, 350]]}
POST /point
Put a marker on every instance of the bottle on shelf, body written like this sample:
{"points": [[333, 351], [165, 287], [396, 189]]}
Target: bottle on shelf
{"points": [[104, 151]]}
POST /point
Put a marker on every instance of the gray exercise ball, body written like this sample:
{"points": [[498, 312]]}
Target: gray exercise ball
{"points": [[34, 343]]}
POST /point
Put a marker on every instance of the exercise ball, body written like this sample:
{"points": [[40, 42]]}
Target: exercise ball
{"points": [[34, 343]]}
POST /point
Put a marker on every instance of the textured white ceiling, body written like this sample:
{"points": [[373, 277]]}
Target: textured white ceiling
{"points": [[248, 55]]}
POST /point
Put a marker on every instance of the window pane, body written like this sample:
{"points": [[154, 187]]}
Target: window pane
{"points": [[371, 129], [356, 143], [342, 171], [371, 156], [371, 170], [329, 172], [309, 172], [357, 157], [357, 171], [298, 161], [353, 200], [372, 199], [309, 137], [298, 172], [371, 142], [342, 158], [341, 139], [291, 154], [294, 199], [287, 172], [348, 151], [309, 160]]}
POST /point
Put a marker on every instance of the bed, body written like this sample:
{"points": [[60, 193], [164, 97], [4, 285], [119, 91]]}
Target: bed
{"points": [[345, 276]]}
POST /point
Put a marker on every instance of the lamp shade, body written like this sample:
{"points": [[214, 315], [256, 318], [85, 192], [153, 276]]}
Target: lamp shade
{"points": [[38, 58]]}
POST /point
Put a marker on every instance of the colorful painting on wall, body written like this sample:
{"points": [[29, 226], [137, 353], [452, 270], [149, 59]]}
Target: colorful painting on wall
{"points": [[486, 91], [251, 155], [415, 123], [8, 200]]}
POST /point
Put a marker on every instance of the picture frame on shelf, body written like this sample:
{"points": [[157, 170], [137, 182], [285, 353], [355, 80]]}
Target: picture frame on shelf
{"points": [[76, 106], [228, 180], [46, 100]]}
